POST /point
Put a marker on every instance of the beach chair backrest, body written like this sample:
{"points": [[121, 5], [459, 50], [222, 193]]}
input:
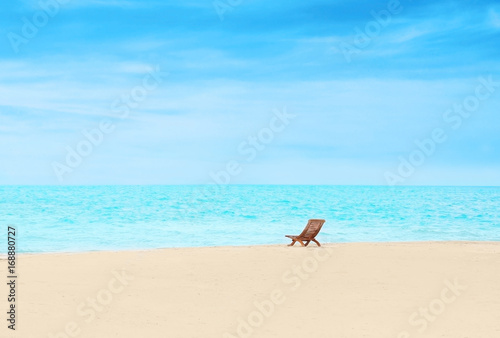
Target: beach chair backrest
{"points": [[312, 228]]}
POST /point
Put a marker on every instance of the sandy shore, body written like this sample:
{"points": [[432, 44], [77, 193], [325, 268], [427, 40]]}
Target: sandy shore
{"points": [[389, 290]]}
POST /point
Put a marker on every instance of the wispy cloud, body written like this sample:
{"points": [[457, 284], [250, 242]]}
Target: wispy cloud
{"points": [[494, 16]]}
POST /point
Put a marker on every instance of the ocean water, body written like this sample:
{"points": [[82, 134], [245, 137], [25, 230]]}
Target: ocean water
{"points": [[88, 218]]}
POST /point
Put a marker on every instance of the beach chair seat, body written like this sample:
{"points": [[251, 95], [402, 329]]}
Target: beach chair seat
{"points": [[309, 233]]}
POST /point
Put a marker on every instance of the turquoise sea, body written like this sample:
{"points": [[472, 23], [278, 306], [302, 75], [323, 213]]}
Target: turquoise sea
{"points": [[88, 218]]}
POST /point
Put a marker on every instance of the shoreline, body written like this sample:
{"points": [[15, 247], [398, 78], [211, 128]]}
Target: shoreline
{"points": [[488, 242]]}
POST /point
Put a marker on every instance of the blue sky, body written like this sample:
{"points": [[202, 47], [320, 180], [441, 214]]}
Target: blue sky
{"points": [[356, 118]]}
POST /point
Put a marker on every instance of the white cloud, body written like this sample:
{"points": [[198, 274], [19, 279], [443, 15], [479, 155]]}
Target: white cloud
{"points": [[406, 35], [134, 67]]}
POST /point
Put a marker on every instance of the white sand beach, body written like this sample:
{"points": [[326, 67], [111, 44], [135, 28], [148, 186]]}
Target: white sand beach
{"points": [[376, 290]]}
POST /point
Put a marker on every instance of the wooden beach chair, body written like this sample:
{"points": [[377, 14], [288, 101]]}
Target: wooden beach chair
{"points": [[309, 233]]}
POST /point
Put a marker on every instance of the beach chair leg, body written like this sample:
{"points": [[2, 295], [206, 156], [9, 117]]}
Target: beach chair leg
{"points": [[293, 242], [307, 243], [301, 243], [315, 241]]}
